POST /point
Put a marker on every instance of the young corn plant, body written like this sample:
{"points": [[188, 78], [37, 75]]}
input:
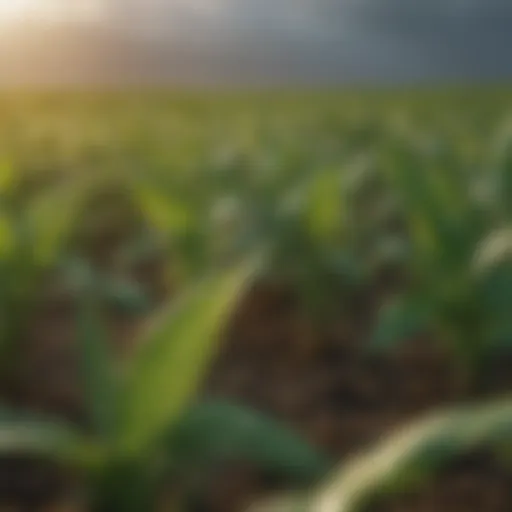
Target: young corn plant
{"points": [[302, 213], [406, 460], [326, 238], [459, 265], [33, 236], [306, 210], [143, 421], [178, 213]]}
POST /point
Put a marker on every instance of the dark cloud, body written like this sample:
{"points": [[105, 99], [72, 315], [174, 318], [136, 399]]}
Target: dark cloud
{"points": [[350, 39], [294, 40], [402, 15], [450, 38]]}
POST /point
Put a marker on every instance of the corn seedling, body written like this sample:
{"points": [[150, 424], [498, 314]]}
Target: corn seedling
{"points": [[33, 237], [459, 264], [143, 420]]}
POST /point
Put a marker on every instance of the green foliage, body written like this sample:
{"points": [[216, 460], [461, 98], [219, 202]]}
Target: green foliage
{"points": [[34, 232], [118, 292], [215, 431], [101, 388], [458, 263], [407, 458], [142, 411], [173, 358], [399, 321], [29, 434], [345, 193]]}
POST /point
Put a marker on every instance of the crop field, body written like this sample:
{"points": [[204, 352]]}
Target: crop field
{"points": [[265, 302]]}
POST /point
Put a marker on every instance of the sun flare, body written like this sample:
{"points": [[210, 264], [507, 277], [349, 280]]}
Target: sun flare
{"points": [[12, 11]]}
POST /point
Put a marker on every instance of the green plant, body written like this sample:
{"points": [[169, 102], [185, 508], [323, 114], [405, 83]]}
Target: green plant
{"points": [[33, 234], [301, 213], [460, 271], [406, 459], [142, 421]]}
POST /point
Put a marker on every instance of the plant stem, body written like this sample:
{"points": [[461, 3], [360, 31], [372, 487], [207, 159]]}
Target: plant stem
{"points": [[127, 487]]}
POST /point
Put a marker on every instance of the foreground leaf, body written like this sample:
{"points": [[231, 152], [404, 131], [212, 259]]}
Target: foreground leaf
{"points": [[411, 454], [24, 434], [219, 431], [172, 359]]}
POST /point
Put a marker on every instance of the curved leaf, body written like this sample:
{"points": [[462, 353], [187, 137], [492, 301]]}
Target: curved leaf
{"points": [[30, 435], [217, 431], [493, 251], [417, 449]]}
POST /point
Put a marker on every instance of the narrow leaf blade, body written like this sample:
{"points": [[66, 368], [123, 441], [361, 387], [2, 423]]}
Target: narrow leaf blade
{"points": [[100, 384], [22, 434], [425, 444], [172, 359], [218, 431]]}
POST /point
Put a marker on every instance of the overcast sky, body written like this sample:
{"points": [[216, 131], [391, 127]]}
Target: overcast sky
{"points": [[304, 40]]}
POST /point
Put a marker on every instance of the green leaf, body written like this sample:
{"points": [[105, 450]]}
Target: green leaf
{"points": [[26, 434], [168, 214], [502, 162], [99, 381], [398, 321], [498, 335], [414, 450], [173, 357], [492, 281], [324, 215], [120, 292], [7, 238], [125, 295], [50, 218], [494, 251], [220, 431], [443, 225], [7, 177]]}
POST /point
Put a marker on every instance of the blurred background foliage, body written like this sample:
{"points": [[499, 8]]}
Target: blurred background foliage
{"points": [[392, 209]]}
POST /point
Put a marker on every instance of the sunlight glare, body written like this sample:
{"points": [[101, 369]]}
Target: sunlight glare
{"points": [[12, 11]]}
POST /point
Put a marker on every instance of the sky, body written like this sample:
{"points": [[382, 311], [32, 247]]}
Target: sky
{"points": [[256, 41]]}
